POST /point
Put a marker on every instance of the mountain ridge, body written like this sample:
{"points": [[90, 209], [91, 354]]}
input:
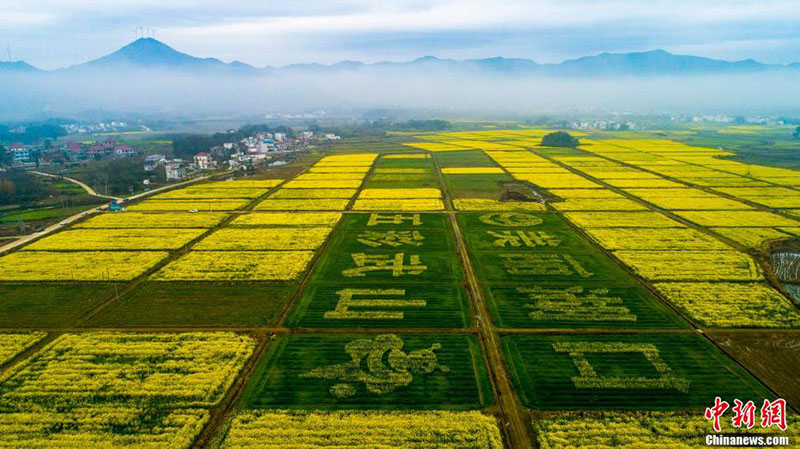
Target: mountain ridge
{"points": [[149, 53]]}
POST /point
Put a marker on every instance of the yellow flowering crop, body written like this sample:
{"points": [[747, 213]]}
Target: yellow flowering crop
{"points": [[692, 265], [98, 426], [116, 239], [199, 205], [314, 193], [727, 304], [472, 170], [287, 219], [303, 204], [240, 239], [77, 265], [324, 184], [752, 237], [236, 266], [655, 239], [737, 218], [201, 194], [242, 184], [359, 157], [399, 193], [329, 177], [633, 430], [160, 220], [642, 183], [435, 146], [406, 429], [585, 193], [621, 219], [336, 169], [564, 181], [419, 204], [405, 171], [13, 344], [484, 204], [180, 370], [605, 204]]}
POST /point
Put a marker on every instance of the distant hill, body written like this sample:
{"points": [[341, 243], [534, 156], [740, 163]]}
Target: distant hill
{"points": [[17, 66], [148, 53]]}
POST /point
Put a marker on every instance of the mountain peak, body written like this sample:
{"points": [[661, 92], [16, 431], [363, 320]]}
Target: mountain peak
{"points": [[148, 52]]}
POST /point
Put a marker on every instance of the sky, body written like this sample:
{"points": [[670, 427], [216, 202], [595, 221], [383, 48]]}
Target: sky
{"points": [[57, 33]]}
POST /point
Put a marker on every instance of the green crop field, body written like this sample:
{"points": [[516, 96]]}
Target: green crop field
{"points": [[29, 305], [624, 372], [424, 371]]}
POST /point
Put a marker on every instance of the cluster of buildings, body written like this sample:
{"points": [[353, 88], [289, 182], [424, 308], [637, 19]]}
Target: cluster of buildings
{"points": [[112, 126], [29, 156], [609, 125], [262, 147]]}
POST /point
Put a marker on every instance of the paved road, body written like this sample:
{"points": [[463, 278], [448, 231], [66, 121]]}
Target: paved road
{"points": [[88, 189], [55, 227]]}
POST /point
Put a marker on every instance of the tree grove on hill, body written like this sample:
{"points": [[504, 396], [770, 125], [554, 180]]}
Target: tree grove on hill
{"points": [[560, 139]]}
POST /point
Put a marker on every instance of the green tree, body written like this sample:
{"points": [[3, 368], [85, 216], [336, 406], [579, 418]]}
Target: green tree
{"points": [[797, 133], [560, 139]]}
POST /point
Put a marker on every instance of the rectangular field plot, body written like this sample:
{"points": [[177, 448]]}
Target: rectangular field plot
{"points": [[99, 426], [692, 265], [77, 265], [646, 430], [544, 267], [655, 239], [419, 204], [511, 220], [259, 219], [339, 429], [407, 371], [154, 220], [236, 266], [492, 205], [49, 304], [391, 220], [303, 204], [391, 306], [498, 239], [263, 239], [399, 265], [578, 305], [198, 304], [625, 372], [148, 370], [13, 344], [116, 239], [189, 205]]}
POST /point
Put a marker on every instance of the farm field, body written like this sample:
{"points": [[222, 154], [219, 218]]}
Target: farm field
{"points": [[460, 289]]}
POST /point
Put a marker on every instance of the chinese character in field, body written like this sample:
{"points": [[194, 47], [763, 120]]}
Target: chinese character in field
{"points": [[373, 300], [716, 412], [394, 219], [774, 413], [376, 239], [543, 264], [510, 219], [366, 263], [530, 239], [574, 304], [380, 364], [744, 414]]}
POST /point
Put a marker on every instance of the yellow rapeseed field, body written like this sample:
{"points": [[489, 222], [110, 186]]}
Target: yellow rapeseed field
{"points": [[604, 204], [313, 193], [77, 265], [728, 304], [655, 239], [236, 266], [13, 344], [303, 204], [156, 220], [189, 205], [287, 219], [692, 265], [262, 239], [621, 220], [737, 218], [116, 239], [421, 204], [324, 183], [206, 193], [341, 429], [484, 204]]}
